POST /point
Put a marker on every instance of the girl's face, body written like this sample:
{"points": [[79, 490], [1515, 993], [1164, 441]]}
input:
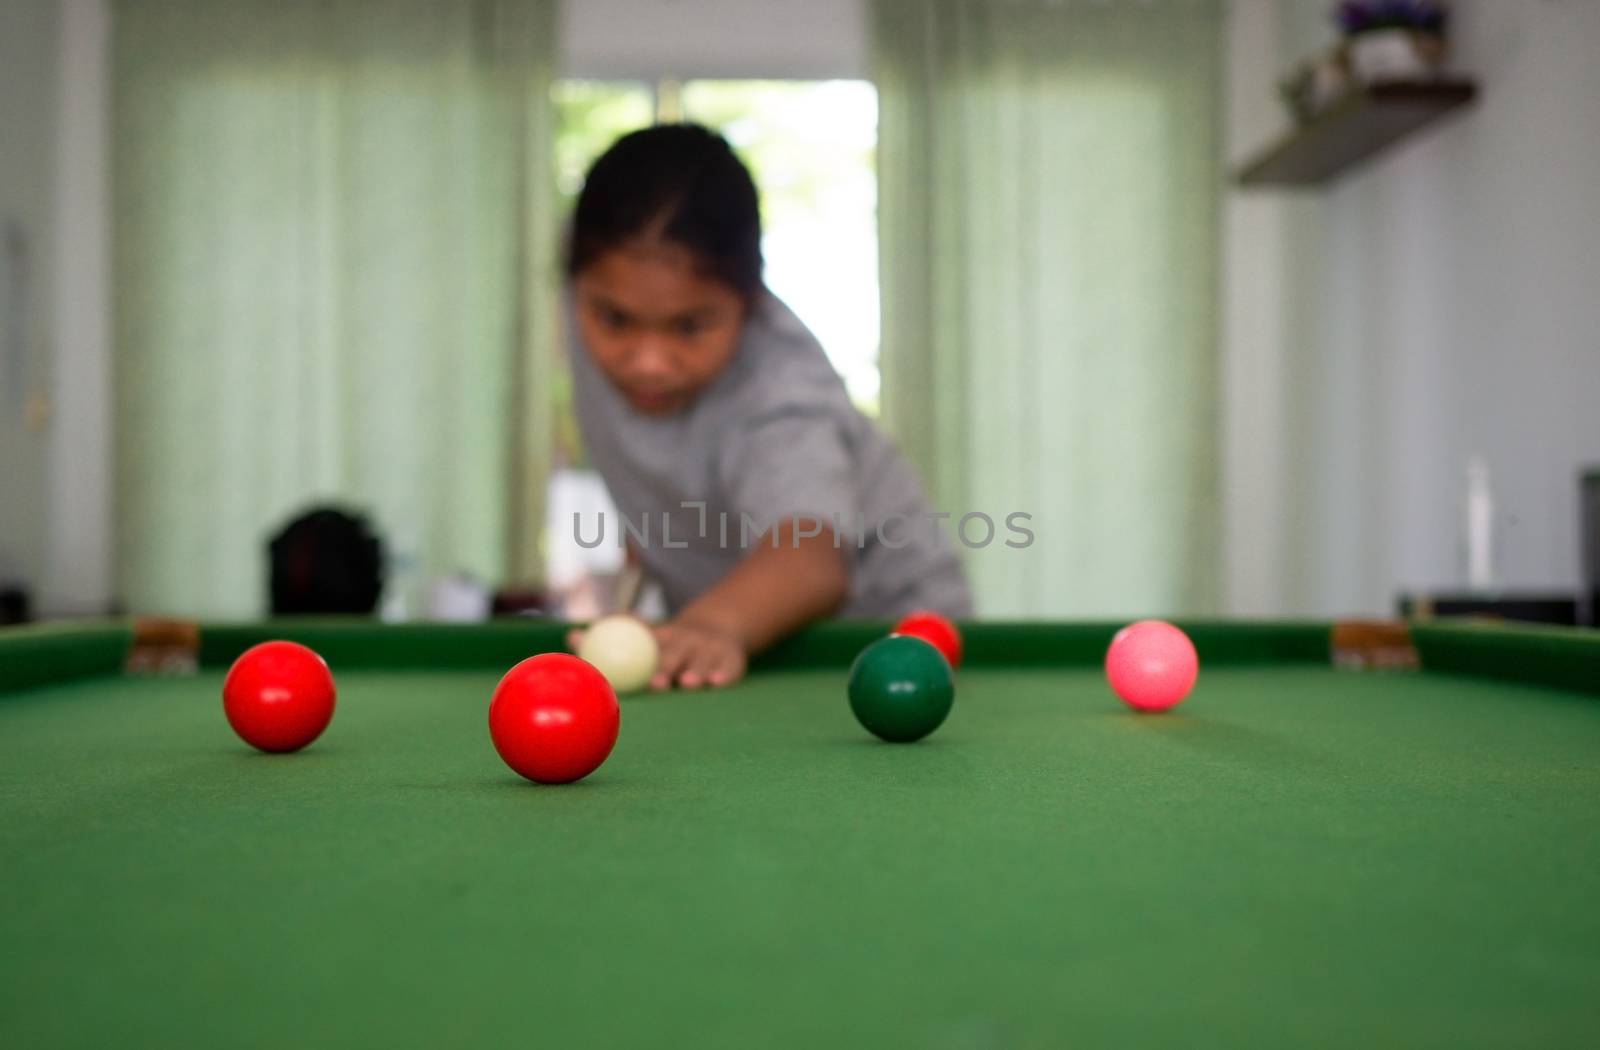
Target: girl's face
{"points": [[659, 329]]}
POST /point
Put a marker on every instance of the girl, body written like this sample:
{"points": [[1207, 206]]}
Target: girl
{"points": [[755, 493]]}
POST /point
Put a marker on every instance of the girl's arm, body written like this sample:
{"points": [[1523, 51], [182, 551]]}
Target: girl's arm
{"points": [[779, 587]]}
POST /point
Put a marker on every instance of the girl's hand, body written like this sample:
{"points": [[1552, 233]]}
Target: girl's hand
{"points": [[695, 655]]}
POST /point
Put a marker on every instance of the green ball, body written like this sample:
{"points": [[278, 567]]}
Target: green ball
{"points": [[901, 689]]}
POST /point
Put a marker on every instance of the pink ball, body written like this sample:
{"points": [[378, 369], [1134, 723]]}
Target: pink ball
{"points": [[1151, 665]]}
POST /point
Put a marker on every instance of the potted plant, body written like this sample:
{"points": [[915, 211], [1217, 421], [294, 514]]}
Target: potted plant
{"points": [[1393, 39]]}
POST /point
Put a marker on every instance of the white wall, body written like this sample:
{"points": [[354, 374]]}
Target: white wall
{"points": [[652, 39], [1440, 302], [29, 61], [55, 369], [79, 574]]}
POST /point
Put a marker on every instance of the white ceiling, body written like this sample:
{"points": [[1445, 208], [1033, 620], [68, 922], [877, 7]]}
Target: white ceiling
{"points": [[652, 39]]}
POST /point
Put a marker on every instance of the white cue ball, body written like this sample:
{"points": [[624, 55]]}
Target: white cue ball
{"points": [[623, 649]]}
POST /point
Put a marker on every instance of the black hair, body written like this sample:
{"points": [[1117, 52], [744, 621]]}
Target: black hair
{"points": [[681, 183], [326, 561]]}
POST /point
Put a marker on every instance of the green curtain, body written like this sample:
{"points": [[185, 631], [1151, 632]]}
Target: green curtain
{"points": [[1050, 189], [333, 281]]}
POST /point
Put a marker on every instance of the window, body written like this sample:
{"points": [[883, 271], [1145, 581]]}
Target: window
{"points": [[812, 148]]}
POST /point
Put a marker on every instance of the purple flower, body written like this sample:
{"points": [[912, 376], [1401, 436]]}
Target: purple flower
{"points": [[1364, 16]]}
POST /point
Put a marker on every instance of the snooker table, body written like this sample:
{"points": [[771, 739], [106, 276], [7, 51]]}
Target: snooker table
{"points": [[1302, 854]]}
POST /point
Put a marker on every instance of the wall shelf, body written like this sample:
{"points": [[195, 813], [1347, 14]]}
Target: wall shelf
{"points": [[1354, 128]]}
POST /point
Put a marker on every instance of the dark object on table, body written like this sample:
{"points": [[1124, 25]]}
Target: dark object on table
{"points": [[1559, 609], [1589, 538], [1374, 645], [14, 606], [163, 646], [326, 561], [521, 602]]}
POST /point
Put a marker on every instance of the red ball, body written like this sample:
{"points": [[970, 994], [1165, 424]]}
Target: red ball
{"points": [[554, 718], [1151, 665], [936, 631], [278, 696]]}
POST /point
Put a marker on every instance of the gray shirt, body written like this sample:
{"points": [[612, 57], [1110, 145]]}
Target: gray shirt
{"points": [[775, 436]]}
